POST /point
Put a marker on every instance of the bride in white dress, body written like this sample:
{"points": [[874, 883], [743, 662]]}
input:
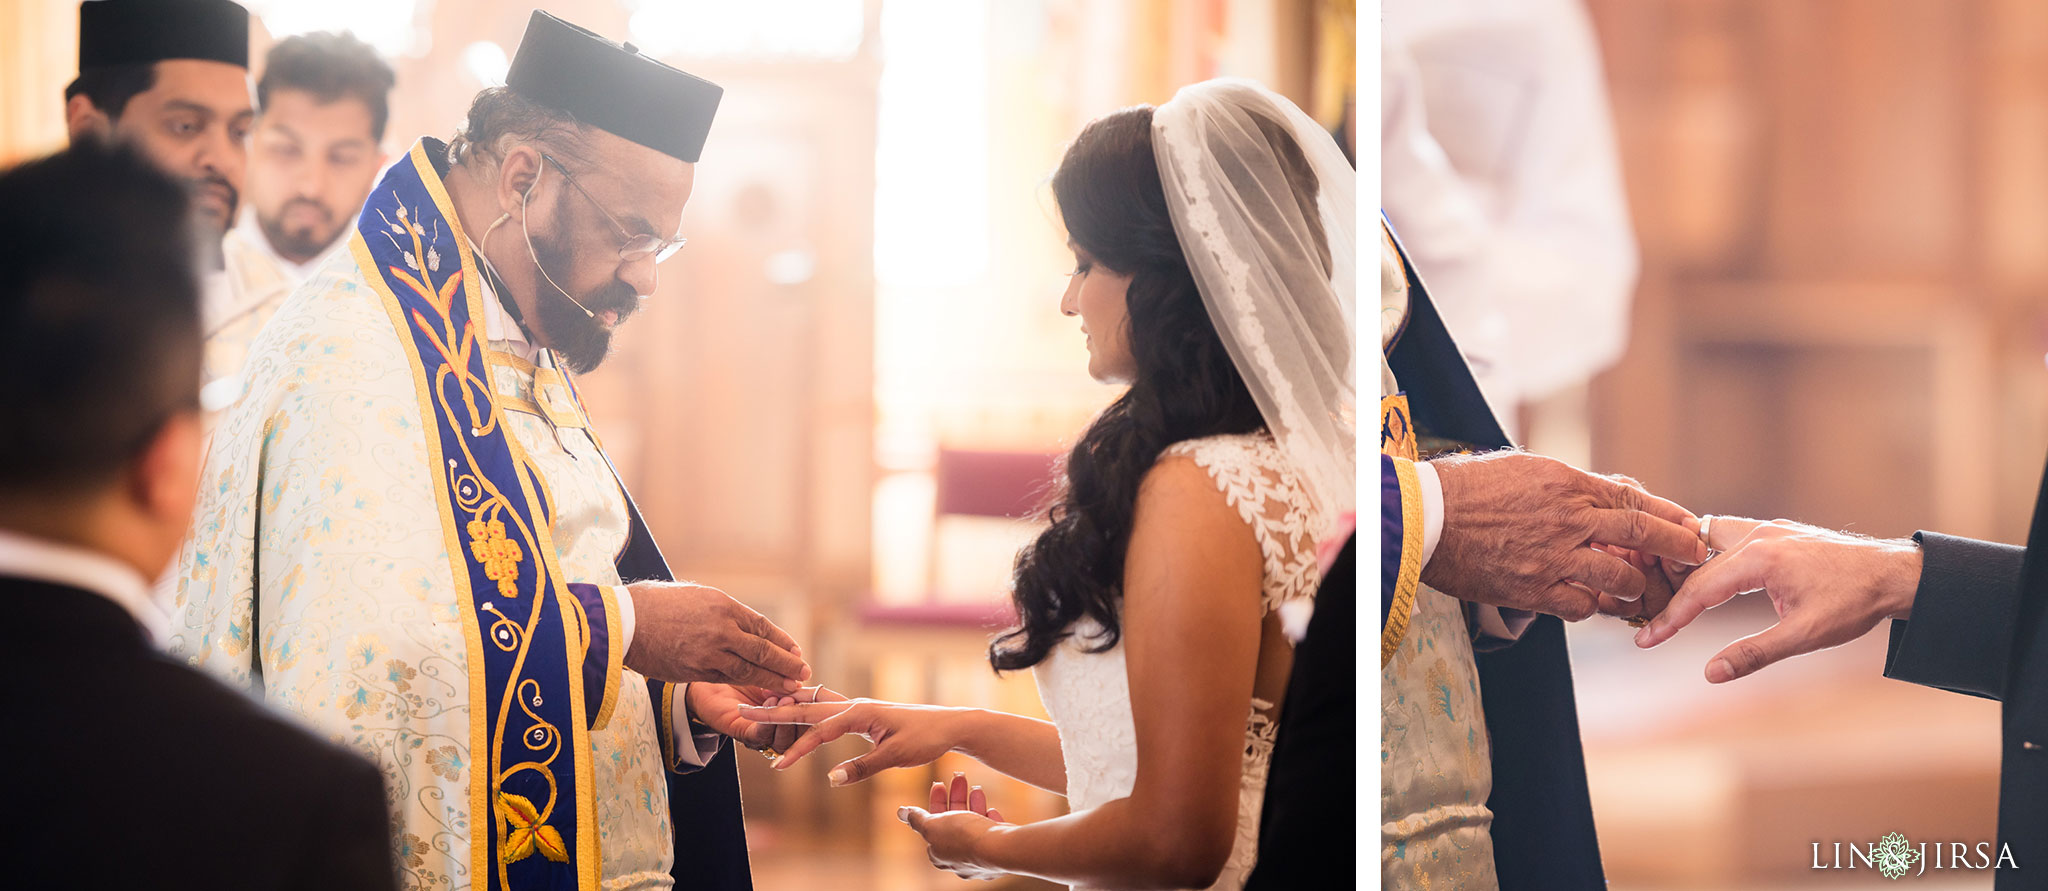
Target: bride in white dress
{"points": [[1214, 246]]}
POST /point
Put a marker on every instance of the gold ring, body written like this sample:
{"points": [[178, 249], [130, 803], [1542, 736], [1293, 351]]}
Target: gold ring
{"points": [[769, 752]]}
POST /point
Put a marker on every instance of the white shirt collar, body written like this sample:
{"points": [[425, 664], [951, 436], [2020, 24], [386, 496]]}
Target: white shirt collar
{"points": [[499, 329], [22, 556]]}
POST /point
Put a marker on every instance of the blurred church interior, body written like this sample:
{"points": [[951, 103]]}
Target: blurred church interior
{"points": [[1842, 211]]}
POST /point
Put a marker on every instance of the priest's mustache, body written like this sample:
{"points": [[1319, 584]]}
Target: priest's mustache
{"points": [[555, 253], [616, 297], [198, 184]]}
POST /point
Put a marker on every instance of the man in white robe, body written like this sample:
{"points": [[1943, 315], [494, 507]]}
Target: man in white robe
{"points": [[409, 535], [1499, 167], [322, 104]]}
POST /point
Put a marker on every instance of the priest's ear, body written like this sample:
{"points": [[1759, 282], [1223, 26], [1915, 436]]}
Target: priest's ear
{"points": [[518, 170], [97, 97], [84, 120]]}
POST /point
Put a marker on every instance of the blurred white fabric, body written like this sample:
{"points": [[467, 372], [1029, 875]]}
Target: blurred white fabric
{"points": [[1499, 169]]}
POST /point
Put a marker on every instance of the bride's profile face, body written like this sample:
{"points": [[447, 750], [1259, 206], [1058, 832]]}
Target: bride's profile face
{"points": [[1096, 294]]}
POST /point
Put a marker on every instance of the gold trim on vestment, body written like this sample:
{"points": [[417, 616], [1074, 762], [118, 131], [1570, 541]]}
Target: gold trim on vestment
{"points": [[1410, 577]]}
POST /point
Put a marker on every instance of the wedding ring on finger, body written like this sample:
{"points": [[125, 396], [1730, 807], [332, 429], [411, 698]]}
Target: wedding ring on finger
{"points": [[1706, 535], [769, 752]]}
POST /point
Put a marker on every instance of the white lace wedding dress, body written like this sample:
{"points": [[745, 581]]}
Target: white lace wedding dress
{"points": [[1089, 695]]}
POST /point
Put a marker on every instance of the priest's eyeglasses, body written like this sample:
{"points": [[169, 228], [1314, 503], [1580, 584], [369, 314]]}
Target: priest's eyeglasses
{"points": [[633, 247]]}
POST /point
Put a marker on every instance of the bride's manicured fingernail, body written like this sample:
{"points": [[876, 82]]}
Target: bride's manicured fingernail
{"points": [[838, 777], [903, 815], [779, 762]]}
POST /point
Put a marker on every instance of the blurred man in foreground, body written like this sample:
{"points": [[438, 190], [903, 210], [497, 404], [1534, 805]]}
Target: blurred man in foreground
{"points": [[132, 770]]}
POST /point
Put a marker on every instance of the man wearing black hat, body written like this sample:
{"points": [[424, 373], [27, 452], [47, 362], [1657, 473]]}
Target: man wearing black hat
{"points": [[171, 78], [409, 534]]}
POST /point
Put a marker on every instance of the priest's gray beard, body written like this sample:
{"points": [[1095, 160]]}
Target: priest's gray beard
{"points": [[579, 339]]}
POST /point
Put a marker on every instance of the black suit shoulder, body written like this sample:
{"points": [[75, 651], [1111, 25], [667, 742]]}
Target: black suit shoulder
{"points": [[139, 771]]}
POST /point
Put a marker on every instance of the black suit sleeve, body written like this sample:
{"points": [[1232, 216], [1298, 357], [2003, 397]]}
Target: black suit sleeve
{"points": [[351, 847], [1964, 612]]}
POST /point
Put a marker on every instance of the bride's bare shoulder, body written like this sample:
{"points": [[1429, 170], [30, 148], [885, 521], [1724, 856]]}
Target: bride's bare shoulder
{"points": [[1181, 505]]}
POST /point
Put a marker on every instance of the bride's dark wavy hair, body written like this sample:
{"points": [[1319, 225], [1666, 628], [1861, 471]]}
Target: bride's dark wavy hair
{"points": [[1108, 192]]}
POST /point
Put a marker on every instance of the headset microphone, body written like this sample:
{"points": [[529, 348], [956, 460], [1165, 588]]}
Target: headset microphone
{"points": [[536, 257]]}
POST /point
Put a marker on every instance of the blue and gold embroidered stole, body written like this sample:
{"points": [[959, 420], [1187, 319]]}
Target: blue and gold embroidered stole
{"points": [[532, 811]]}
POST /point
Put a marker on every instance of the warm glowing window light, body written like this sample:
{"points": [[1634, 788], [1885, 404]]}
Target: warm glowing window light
{"points": [[388, 25], [828, 30]]}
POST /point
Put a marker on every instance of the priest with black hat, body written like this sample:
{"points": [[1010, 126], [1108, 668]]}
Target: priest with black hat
{"points": [[171, 78], [410, 535]]}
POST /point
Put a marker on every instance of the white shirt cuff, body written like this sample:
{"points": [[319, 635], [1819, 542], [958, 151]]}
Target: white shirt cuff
{"points": [[703, 746], [1432, 508], [622, 600]]}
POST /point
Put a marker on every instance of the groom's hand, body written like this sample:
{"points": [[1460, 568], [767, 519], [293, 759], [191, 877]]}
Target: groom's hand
{"points": [[1521, 530], [685, 632], [1829, 588]]}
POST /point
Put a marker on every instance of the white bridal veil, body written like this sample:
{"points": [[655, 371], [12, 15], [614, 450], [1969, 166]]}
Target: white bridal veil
{"points": [[1277, 266]]}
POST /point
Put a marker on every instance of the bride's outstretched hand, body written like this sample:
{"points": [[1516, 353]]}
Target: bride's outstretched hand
{"points": [[958, 819], [718, 706], [905, 735]]}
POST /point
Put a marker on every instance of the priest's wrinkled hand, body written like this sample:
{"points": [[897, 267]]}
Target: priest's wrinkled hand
{"points": [[1828, 588], [685, 632], [1524, 531], [1661, 579]]}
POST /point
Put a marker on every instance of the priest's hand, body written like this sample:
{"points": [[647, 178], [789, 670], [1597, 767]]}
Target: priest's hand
{"points": [[718, 706], [1828, 588], [685, 632], [1661, 579], [1527, 532]]}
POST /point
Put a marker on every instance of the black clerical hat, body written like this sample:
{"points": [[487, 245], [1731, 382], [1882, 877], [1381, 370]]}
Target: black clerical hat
{"points": [[128, 32], [613, 87]]}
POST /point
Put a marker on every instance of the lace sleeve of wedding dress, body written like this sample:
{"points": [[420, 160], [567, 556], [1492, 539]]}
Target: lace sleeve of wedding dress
{"points": [[1258, 479]]}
